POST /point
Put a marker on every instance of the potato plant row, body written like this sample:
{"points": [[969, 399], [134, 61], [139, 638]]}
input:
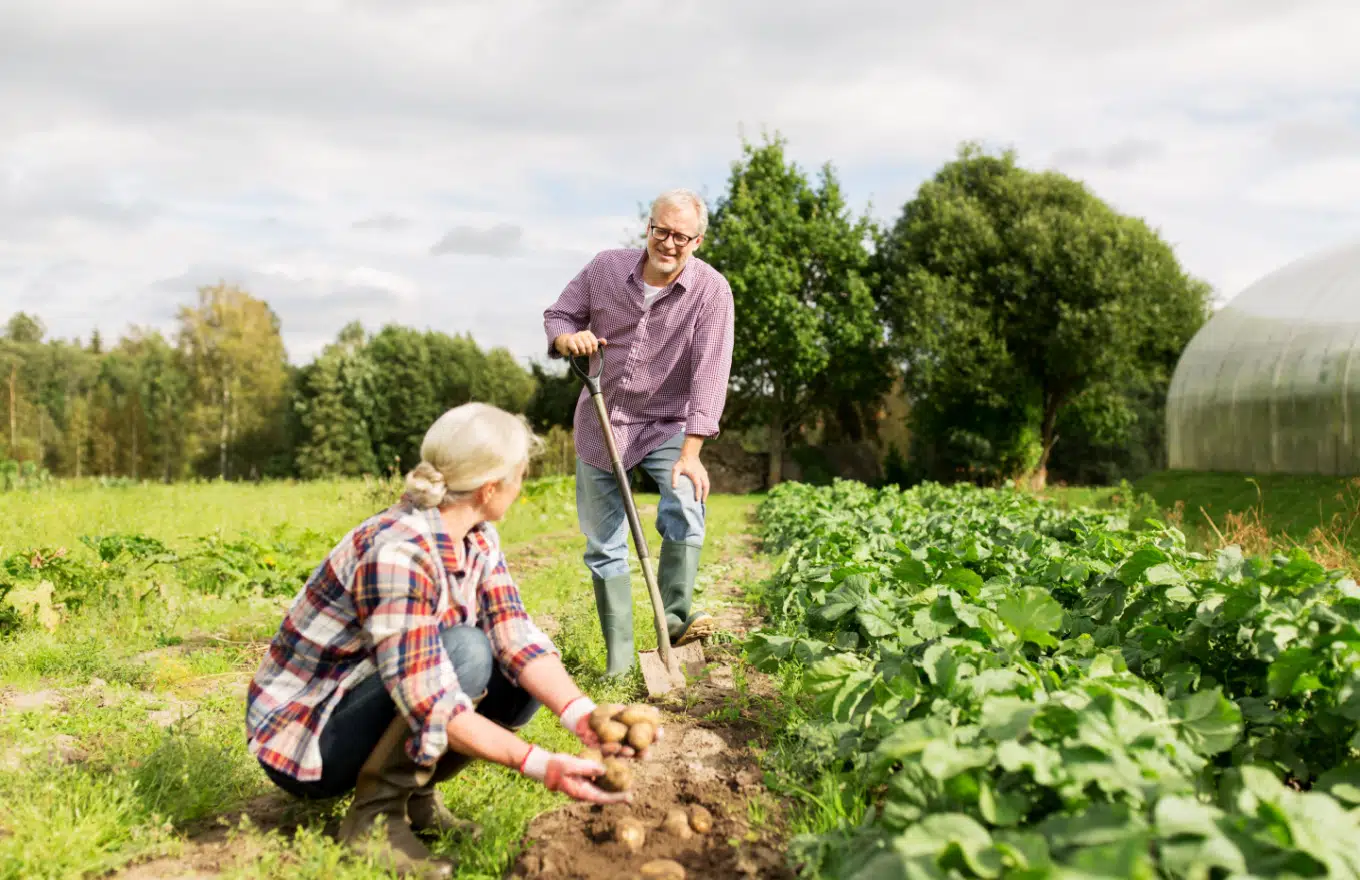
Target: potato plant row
{"points": [[1023, 691]]}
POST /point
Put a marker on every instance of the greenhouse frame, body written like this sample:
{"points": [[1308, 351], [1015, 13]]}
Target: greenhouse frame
{"points": [[1269, 383]]}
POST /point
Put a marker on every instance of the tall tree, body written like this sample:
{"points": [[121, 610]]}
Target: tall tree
{"points": [[405, 391], [796, 262], [503, 382], [335, 408], [554, 399], [1014, 293], [234, 352]]}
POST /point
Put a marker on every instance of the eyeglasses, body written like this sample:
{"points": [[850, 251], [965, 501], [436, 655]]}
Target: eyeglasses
{"points": [[661, 233]]}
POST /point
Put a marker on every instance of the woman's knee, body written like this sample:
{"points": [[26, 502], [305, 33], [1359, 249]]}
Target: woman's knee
{"points": [[470, 651]]}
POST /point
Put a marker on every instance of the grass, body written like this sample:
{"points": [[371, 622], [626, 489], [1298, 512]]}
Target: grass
{"points": [[1318, 512], [177, 641]]}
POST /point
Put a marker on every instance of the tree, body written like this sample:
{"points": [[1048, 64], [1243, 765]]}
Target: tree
{"points": [[554, 399], [796, 262], [503, 382], [1018, 292], [335, 408], [234, 351], [405, 389]]}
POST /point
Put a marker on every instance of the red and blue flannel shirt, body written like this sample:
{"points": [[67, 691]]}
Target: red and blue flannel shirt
{"points": [[376, 605]]}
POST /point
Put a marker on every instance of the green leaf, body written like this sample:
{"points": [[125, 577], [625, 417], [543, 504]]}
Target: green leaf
{"points": [[1140, 561], [911, 571], [1288, 674], [1163, 574], [943, 759], [1209, 721], [1175, 816], [1041, 761], [910, 738], [1033, 615], [1342, 783], [1005, 808], [941, 666], [1007, 718], [963, 579]]}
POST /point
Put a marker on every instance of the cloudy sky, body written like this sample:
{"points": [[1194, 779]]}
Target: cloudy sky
{"points": [[452, 164]]}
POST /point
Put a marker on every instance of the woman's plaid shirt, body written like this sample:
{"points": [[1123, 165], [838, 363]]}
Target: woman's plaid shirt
{"points": [[377, 603]]}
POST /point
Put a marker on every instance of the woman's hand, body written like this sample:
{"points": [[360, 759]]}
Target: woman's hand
{"points": [[571, 776], [576, 718]]}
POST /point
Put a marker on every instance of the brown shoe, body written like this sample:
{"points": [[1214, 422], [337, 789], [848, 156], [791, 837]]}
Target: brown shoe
{"points": [[384, 787]]}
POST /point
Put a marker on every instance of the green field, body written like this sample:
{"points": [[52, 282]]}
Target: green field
{"points": [[146, 608], [123, 733]]}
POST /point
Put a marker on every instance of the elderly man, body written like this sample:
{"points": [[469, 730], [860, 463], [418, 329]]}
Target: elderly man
{"points": [[665, 318]]}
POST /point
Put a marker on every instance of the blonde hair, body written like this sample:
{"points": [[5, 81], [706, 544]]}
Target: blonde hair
{"points": [[466, 448], [683, 198]]}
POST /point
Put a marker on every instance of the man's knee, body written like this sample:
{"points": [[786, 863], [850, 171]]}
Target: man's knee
{"points": [[680, 515], [470, 650]]}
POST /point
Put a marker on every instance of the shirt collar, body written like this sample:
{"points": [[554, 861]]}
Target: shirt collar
{"points": [[454, 554], [681, 282]]}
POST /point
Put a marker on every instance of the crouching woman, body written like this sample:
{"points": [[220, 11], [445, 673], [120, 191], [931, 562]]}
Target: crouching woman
{"points": [[408, 653]]}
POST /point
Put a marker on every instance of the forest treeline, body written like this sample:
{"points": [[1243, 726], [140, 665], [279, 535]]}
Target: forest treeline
{"points": [[1030, 328], [219, 398]]}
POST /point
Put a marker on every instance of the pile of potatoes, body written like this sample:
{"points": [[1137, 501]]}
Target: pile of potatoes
{"points": [[635, 725]]}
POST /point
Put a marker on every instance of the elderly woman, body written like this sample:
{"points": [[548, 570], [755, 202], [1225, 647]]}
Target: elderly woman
{"points": [[408, 653]]}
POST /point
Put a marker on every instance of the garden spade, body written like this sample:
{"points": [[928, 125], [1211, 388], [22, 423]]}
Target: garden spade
{"points": [[665, 667]]}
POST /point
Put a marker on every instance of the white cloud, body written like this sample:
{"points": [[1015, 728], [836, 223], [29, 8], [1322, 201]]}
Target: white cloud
{"points": [[318, 152]]}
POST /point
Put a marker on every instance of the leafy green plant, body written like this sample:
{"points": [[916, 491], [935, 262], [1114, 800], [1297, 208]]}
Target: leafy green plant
{"points": [[1022, 690]]}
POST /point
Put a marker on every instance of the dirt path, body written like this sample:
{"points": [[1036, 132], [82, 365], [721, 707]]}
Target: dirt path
{"points": [[706, 758]]}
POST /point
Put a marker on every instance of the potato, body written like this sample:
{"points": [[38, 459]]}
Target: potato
{"points": [[591, 755], [603, 714], [662, 869], [700, 819], [612, 731], [618, 776], [631, 833], [640, 735], [676, 824], [639, 712]]}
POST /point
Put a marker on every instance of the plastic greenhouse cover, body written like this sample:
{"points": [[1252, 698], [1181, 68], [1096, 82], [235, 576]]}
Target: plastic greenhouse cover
{"points": [[1271, 383]]}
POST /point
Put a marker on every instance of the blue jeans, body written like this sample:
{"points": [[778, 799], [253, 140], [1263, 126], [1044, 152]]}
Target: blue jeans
{"points": [[358, 722], [599, 506]]}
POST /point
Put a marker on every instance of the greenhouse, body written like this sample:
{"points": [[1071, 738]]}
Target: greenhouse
{"points": [[1269, 384]]}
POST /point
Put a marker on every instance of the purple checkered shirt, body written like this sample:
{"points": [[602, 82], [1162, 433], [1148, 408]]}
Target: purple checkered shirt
{"points": [[666, 366]]}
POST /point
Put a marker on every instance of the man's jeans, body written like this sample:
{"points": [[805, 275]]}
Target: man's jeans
{"points": [[356, 725], [599, 505]]}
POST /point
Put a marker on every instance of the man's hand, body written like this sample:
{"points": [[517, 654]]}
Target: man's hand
{"points": [[690, 466], [577, 343]]}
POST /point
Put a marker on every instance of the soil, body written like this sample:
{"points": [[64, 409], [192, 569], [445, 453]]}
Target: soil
{"points": [[710, 763]]}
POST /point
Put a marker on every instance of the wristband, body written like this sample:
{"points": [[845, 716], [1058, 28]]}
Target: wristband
{"points": [[535, 763], [575, 711]]}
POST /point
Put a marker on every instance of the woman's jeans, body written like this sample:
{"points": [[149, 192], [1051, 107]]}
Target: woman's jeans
{"points": [[365, 712]]}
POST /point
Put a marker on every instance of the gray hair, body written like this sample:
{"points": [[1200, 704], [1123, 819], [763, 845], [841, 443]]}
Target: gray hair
{"points": [[466, 448], [683, 198]]}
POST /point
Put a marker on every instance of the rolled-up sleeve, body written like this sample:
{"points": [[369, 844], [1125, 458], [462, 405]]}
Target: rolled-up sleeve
{"points": [[711, 358], [571, 312], [396, 598], [515, 639]]}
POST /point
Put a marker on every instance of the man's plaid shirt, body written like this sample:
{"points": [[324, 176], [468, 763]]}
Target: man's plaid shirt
{"points": [[377, 604]]}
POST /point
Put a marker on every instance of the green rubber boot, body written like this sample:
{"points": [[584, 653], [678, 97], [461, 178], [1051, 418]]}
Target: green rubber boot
{"points": [[675, 577], [614, 603]]}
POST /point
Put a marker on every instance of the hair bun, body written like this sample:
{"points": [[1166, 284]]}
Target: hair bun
{"points": [[425, 485]]}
